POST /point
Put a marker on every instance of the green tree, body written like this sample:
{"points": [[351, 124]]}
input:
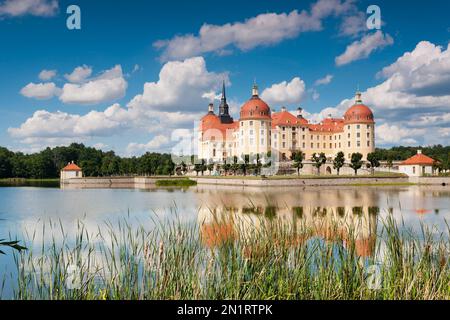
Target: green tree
{"points": [[258, 164], [110, 164], [356, 162], [245, 164], [235, 165], [6, 166], [184, 168], [297, 157], [374, 161], [389, 163], [319, 160], [339, 161], [226, 167], [210, 167], [198, 168]]}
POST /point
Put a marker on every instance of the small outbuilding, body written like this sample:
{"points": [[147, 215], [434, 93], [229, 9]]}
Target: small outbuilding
{"points": [[418, 165], [71, 171]]}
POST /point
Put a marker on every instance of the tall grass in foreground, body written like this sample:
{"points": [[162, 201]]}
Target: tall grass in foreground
{"points": [[171, 261]]}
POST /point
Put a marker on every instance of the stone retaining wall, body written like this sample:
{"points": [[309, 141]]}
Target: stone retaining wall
{"points": [[143, 182], [443, 181], [299, 182]]}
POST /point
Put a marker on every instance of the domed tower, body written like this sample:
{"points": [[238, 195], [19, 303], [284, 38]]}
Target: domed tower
{"points": [[359, 129], [254, 126]]}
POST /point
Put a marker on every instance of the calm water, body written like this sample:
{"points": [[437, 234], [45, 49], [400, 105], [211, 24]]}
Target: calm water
{"points": [[24, 209]]}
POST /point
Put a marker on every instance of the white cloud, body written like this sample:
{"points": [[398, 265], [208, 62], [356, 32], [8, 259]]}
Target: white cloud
{"points": [[424, 71], [79, 74], [45, 124], [16, 8], [46, 75], [154, 144], [182, 85], [412, 104], [363, 48], [353, 25], [109, 86], [40, 91], [100, 146], [392, 134], [325, 80], [262, 30], [285, 93], [315, 95]]}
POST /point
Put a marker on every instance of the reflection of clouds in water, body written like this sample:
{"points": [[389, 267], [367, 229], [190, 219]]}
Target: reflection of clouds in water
{"points": [[26, 209]]}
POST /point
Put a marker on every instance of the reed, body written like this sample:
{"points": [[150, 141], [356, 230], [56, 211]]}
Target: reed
{"points": [[173, 260]]}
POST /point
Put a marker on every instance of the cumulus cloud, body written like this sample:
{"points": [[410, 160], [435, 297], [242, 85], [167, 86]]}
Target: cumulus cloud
{"points": [[79, 74], [353, 25], [46, 75], [40, 91], [45, 124], [424, 71], [110, 85], [414, 97], [325, 80], [285, 93], [181, 85], [154, 144], [100, 146], [17, 8], [361, 49], [161, 113], [262, 30], [393, 134]]}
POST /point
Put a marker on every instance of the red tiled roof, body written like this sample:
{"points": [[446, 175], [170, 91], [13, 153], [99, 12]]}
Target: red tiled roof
{"points": [[285, 118], [255, 108], [419, 159], [359, 113], [212, 129], [328, 125], [71, 167]]}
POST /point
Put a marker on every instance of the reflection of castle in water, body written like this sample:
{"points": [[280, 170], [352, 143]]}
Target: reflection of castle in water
{"points": [[332, 215]]}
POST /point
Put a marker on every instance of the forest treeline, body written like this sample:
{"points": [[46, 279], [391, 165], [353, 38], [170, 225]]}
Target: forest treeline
{"points": [[437, 152], [94, 162]]}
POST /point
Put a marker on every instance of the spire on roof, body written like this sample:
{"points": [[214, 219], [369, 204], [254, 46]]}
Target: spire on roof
{"points": [[224, 97], [224, 114], [358, 97], [255, 89]]}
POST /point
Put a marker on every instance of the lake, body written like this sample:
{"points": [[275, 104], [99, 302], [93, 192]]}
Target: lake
{"points": [[24, 210]]}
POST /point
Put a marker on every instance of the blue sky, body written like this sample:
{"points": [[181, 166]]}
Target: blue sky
{"points": [[139, 73]]}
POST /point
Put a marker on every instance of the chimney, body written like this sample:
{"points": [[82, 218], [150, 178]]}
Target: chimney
{"points": [[419, 151], [283, 109], [299, 112], [211, 108]]}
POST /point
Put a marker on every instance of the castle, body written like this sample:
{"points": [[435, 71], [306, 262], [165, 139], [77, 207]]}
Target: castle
{"points": [[260, 130]]}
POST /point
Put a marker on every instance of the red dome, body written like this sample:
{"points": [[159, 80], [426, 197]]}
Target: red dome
{"points": [[358, 113], [209, 121], [255, 108]]}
